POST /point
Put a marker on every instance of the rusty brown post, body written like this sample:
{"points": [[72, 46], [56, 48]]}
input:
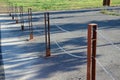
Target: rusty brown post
{"points": [[16, 13], [30, 23], [12, 11], [106, 2], [47, 33], [91, 52], [21, 18], [9, 9], [94, 43]]}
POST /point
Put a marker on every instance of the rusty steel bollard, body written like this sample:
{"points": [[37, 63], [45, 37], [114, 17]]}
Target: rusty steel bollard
{"points": [[30, 23], [106, 2], [21, 18], [91, 52], [9, 9], [47, 33], [16, 14], [12, 11]]}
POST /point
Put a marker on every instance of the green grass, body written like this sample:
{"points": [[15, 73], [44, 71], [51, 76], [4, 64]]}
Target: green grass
{"points": [[41, 5], [111, 12]]}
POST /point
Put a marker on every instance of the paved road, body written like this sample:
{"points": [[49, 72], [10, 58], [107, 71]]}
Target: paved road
{"points": [[24, 60]]}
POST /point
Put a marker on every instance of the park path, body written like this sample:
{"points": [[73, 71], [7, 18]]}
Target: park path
{"points": [[24, 60]]}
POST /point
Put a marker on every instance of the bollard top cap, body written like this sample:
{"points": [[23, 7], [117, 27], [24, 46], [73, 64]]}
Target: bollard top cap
{"points": [[92, 24]]}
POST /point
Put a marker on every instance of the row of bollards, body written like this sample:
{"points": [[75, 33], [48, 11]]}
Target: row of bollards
{"points": [[16, 12], [92, 38], [91, 49]]}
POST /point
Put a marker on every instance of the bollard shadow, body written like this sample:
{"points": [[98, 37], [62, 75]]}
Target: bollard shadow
{"points": [[108, 24], [23, 58]]}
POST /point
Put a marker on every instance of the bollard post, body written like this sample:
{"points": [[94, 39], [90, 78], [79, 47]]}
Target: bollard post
{"points": [[29, 18], [21, 18], [47, 33], [94, 43], [106, 2], [12, 14], [91, 52], [16, 13], [9, 9], [30, 23]]}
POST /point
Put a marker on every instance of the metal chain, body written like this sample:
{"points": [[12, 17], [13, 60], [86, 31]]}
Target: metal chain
{"points": [[115, 46]]}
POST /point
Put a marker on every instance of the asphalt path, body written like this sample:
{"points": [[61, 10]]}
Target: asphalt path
{"points": [[25, 60]]}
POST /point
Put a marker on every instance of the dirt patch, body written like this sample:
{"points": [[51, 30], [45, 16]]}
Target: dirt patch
{"points": [[3, 7]]}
